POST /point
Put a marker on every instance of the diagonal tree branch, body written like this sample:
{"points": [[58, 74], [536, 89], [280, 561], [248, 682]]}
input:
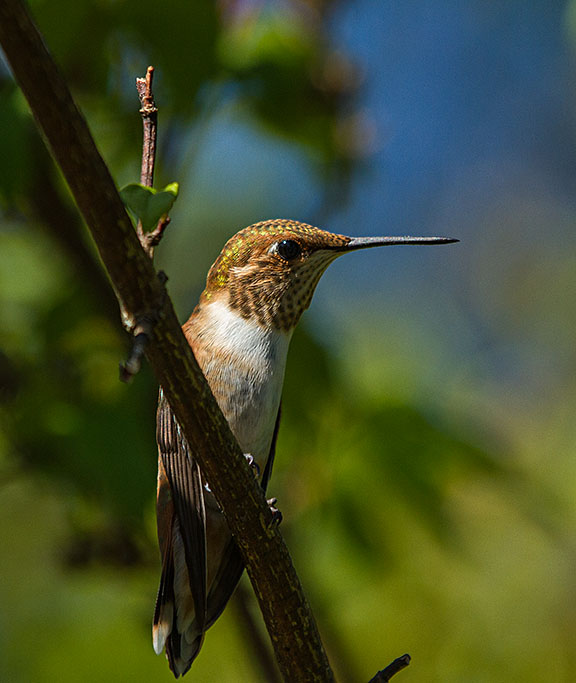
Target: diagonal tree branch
{"points": [[142, 297]]}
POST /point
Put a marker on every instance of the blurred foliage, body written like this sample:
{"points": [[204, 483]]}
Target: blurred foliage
{"points": [[429, 505]]}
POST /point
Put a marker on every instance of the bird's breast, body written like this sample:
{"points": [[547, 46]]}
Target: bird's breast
{"points": [[244, 364]]}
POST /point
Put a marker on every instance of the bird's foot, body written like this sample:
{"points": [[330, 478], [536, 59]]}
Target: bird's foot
{"points": [[253, 464], [276, 514]]}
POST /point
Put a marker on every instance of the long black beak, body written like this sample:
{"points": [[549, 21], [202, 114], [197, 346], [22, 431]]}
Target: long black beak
{"points": [[367, 242]]}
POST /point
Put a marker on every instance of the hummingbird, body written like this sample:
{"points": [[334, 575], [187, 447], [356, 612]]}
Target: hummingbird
{"points": [[256, 291]]}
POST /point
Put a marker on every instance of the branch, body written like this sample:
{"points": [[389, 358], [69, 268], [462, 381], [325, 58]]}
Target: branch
{"points": [[149, 113], [391, 670], [142, 295], [143, 330]]}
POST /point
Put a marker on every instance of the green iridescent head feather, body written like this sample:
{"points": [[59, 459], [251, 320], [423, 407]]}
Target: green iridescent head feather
{"points": [[257, 239]]}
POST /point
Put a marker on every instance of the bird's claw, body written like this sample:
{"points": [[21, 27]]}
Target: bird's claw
{"points": [[253, 464], [276, 514]]}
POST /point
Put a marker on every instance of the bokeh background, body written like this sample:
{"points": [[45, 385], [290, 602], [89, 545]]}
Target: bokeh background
{"points": [[426, 466]]}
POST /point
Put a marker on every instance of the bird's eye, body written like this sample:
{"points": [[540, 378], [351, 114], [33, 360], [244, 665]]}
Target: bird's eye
{"points": [[288, 249]]}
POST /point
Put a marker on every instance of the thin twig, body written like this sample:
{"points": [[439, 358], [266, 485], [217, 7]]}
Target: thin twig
{"points": [[141, 334], [141, 337], [391, 670], [149, 113], [153, 238]]}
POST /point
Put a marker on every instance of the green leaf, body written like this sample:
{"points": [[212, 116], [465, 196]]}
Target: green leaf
{"points": [[148, 204]]}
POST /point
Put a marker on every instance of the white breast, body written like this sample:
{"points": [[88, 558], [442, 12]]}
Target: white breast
{"points": [[244, 364]]}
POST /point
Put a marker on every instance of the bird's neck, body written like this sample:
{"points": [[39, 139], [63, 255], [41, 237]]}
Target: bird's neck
{"points": [[221, 329]]}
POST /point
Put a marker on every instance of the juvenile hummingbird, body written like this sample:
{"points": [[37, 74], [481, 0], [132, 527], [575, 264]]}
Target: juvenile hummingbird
{"points": [[256, 291]]}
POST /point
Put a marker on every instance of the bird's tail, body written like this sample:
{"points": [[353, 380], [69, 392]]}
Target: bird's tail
{"points": [[175, 628]]}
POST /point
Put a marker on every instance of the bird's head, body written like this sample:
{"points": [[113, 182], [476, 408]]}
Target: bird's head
{"points": [[269, 271]]}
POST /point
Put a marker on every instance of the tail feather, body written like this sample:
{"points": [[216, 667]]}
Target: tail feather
{"points": [[164, 612], [181, 653], [182, 645], [162, 627], [175, 628]]}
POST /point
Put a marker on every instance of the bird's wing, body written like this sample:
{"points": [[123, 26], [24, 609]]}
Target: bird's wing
{"points": [[180, 616]]}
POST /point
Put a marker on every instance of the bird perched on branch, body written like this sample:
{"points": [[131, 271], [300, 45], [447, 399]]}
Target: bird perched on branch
{"points": [[256, 291]]}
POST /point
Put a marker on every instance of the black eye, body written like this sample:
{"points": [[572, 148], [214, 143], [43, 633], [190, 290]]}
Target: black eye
{"points": [[288, 249]]}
